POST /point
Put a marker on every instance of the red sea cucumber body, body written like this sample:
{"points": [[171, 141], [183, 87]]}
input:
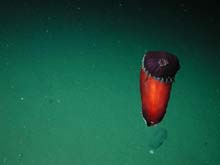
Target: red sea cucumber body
{"points": [[156, 78]]}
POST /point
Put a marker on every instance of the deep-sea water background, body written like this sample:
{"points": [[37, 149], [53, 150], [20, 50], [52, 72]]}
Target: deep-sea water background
{"points": [[69, 82]]}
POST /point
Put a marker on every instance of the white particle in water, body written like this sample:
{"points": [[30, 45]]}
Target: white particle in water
{"points": [[151, 151]]}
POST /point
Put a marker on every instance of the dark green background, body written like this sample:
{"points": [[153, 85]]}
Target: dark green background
{"points": [[69, 82]]}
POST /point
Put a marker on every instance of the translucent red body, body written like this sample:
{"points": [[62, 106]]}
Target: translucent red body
{"points": [[154, 96]]}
